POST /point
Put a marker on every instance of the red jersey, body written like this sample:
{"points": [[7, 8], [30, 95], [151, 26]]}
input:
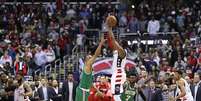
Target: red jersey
{"points": [[105, 89]]}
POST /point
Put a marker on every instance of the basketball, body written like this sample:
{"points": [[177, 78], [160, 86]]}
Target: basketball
{"points": [[111, 21]]}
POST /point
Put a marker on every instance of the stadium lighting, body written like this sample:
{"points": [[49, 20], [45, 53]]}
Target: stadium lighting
{"points": [[149, 42], [129, 43], [133, 6]]}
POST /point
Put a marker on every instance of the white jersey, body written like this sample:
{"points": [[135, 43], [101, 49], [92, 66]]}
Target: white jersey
{"points": [[118, 74], [188, 96], [18, 93]]}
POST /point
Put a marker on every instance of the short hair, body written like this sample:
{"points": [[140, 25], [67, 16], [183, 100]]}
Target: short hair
{"points": [[179, 72], [199, 74], [43, 78], [124, 44], [50, 78], [20, 73], [132, 72], [70, 73]]}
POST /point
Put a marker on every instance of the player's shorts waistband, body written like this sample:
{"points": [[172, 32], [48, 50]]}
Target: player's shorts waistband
{"points": [[86, 90]]}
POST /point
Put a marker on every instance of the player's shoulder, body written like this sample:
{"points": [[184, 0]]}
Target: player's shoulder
{"points": [[181, 82]]}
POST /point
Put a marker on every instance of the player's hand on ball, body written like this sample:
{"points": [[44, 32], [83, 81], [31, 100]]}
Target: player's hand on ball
{"points": [[111, 21]]}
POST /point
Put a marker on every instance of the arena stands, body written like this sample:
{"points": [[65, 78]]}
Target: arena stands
{"points": [[41, 41]]}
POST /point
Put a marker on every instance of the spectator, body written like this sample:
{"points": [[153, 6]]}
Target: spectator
{"points": [[23, 91], [174, 56], [40, 28], [191, 60], [84, 13], [49, 81], [69, 88], [143, 77], [3, 81], [156, 58], [71, 13], [11, 52], [101, 91], [199, 60], [153, 26], [40, 59], [196, 87], [61, 43], [21, 66], [45, 92], [142, 24], [6, 59], [54, 35], [180, 64], [79, 41], [58, 91], [35, 96], [68, 43], [165, 93], [83, 25], [180, 21], [133, 24], [172, 89], [154, 94], [50, 55], [23, 24], [28, 58], [166, 27], [10, 89], [123, 22]]}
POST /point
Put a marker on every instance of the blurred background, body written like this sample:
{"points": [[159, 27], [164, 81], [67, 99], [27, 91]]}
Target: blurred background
{"points": [[48, 39]]}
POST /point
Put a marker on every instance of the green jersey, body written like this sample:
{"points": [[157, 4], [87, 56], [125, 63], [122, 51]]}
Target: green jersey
{"points": [[129, 92], [82, 91]]}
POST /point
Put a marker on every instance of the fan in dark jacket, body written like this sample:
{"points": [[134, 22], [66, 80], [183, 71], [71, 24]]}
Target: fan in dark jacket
{"points": [[45, 92], [69, 88], [196, 87]]}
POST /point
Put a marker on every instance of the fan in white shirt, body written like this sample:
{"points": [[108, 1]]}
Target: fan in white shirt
{"points": [[50, 55], [6, 58], [153, 26], [70, 85], [40, 57]]}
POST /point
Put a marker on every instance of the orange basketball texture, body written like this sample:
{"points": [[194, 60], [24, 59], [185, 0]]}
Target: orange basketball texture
{"points": [[111, 21]]}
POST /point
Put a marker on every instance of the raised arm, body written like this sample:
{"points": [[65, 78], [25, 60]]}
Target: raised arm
{"points": [[114, 45], [93, 58]]}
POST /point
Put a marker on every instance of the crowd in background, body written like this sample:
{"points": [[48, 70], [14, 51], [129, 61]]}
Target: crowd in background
{"points": [[35, 35]]}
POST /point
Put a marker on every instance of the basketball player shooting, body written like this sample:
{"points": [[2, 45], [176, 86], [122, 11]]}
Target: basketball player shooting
{"points": [[82, 91], [119, 59]]}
